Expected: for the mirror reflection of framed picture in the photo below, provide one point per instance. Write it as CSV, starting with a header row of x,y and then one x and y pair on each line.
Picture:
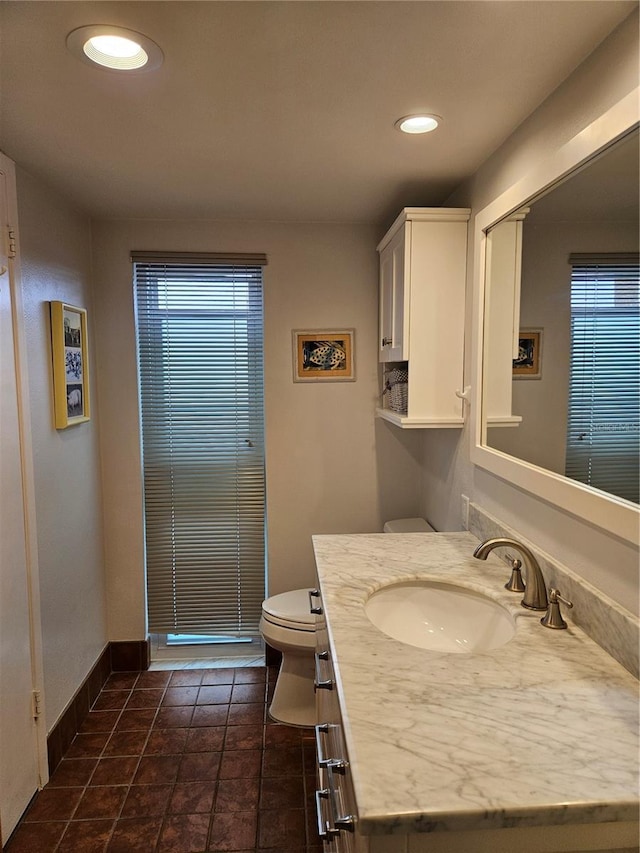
x,y
70,364
528,364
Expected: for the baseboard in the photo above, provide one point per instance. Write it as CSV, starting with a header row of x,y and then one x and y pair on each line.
x,y
130,656
62,734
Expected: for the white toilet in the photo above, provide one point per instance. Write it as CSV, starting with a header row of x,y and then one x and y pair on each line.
x,y
288,626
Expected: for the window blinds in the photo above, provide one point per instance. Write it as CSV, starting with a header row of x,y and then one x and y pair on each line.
x,y
200,358
604,396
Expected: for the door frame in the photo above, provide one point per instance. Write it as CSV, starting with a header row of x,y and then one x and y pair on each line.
x,y
10,237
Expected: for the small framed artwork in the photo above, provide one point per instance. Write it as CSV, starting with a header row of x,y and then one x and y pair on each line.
x,y
528,364
70,365
323,355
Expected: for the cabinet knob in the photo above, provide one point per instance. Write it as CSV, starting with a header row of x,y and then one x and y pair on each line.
x,y
387,342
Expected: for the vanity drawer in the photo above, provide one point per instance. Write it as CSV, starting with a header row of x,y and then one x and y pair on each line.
x,y
335,802
324,679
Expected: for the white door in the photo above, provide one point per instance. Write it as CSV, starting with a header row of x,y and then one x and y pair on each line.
x,y
20,739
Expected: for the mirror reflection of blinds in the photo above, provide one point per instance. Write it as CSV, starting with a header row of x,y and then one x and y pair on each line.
x,y
200,354
603,436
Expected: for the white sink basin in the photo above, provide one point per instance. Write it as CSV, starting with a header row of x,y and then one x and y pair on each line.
x,y
442,617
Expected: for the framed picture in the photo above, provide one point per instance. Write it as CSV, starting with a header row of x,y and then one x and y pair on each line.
x,y
323,355
70,365
528,364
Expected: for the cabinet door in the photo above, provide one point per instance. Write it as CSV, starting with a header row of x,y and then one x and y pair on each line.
x,y
392,297
386,304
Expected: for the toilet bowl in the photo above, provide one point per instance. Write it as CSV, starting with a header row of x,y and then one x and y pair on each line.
x,y
288,626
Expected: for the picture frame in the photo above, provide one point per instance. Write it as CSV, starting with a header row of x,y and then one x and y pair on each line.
x,y
69,344
528,365
323,355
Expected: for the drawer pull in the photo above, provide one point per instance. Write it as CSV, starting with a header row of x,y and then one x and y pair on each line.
x,y
325,830
321,729
347,822
330,828
318,682
313,606
337,764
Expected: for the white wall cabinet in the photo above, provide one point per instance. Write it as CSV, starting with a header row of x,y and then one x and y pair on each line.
x,y
422,295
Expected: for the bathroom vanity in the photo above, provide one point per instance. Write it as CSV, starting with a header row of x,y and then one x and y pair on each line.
x,y
530,746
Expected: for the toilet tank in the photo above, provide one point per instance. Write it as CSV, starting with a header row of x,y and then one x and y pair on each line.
x,y
408,525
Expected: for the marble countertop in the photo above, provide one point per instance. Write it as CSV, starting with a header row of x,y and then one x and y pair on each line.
x,y
541,731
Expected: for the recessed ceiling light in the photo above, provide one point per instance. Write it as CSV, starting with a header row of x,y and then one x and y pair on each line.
x,y
115,48
422,123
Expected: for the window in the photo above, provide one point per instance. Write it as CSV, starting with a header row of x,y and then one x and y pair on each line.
x,y
604,394
199,323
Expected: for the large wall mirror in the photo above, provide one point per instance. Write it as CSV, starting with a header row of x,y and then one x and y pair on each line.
x,y
558,327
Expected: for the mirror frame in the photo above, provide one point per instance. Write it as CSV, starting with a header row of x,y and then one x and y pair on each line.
x,y
615,515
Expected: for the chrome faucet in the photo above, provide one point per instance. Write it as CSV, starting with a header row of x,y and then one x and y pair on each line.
x,y
535,594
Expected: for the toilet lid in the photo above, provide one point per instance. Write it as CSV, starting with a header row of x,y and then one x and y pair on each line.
x,y
290,608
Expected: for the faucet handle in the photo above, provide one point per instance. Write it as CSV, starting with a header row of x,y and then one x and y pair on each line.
x,y
515,582
553,617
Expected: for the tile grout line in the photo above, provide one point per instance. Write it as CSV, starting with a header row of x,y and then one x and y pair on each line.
x,y
137,766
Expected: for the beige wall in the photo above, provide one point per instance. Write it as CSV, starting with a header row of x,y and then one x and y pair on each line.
x,y
331,467
55,251
609,74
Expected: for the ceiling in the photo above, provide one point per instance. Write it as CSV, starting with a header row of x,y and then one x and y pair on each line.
x,y
282,110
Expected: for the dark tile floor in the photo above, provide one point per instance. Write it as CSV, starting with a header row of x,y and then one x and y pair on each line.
x,y
179,762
